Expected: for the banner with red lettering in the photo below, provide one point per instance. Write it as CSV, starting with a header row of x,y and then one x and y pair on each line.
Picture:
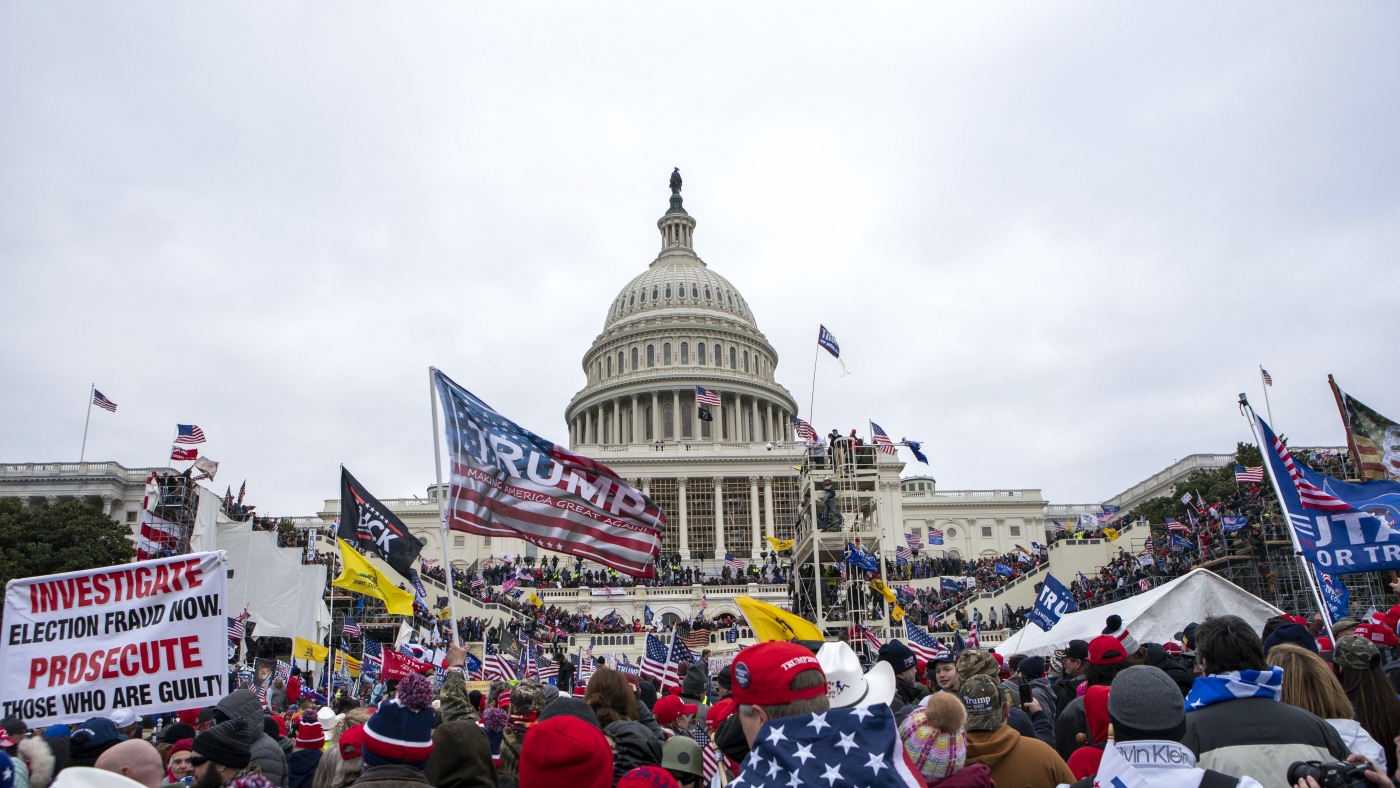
x,y
148,637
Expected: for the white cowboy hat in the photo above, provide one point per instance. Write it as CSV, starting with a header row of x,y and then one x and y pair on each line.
x,y
846,685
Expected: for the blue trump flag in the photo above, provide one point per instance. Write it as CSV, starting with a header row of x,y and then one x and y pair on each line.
x,y
1181,544
861,559
1003,570
949,585
1334,593
1341,527
1229,524
1054,601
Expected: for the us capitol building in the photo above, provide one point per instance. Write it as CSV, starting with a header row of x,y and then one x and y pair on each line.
x,y
724,483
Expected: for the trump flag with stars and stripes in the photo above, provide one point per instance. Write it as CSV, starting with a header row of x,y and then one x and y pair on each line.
x,y
510,482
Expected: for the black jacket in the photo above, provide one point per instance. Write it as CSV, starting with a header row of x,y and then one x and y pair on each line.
x,y
301,767
636,744
1066,690
906,693
1159,658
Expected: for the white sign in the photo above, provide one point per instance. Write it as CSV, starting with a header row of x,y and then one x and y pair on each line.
x,y
149,637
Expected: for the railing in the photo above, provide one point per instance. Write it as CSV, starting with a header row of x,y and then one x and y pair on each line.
x,y
19,470
1175,472
971,494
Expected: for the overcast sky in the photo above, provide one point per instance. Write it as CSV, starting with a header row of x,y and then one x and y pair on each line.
x,y
1055,240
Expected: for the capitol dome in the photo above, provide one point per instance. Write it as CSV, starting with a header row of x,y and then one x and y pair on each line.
x,y
676,326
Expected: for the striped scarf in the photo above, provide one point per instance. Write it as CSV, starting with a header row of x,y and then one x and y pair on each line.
x,y
1209,690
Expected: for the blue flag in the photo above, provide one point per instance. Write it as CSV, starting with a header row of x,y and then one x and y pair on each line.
x,y
1334,593
1341,527
473,664
827,340
915,446
949,585
1054,601
1181,544
862,559
1003,570
647,614
732,636
1230,524
1110,508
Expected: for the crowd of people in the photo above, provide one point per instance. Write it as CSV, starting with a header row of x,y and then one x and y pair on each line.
x,y
1225,703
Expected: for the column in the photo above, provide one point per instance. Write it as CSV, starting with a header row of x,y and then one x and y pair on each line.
x,y
685,527
617,421
768,505
719,517
107,501
636,431
655,417
600,428
768,432
676,413
753,517
587,425
757,421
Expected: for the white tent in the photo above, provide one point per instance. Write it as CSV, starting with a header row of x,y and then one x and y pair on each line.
x,y
1151,617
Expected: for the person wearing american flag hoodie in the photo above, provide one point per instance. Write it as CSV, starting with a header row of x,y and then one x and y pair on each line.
x,y
797,739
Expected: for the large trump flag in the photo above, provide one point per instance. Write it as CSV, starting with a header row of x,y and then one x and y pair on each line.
x,y
509,482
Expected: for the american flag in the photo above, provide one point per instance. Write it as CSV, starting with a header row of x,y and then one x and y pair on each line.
x,y
102,402
704,601
1059,527
373,653
804,430
188,433
914,541
1268,379
902,552
922,644
697,639
1252,474
708,753
654,660
737,564
350,627
881,439
935,536
870,639
237,627
429,562
974,636
496,666
1144,585
183,455
578,505
706,397
804,751
1147,545
680,652
1173,525
477,583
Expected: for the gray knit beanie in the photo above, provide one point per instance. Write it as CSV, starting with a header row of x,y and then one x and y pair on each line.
x,y
1144,703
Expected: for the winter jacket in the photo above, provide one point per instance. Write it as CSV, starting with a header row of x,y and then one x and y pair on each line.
x,y
1353,736
40,760
636,745
907,693
1259,737
453,699
301,768
1041,726
1041,690
461,757
1016,761
973,775
1066,690
645,717
392,775
1166,764
1070,724
267,753
1158,657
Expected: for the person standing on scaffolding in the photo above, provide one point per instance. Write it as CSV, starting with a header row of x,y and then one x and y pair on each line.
x,y
831,518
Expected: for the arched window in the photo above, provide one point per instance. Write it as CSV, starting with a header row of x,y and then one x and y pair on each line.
x,y
707,294
620,365
609,366
632,300
687,431
732,365
694,291
634,360
700,353
651,356
653,294
746,361
644,296
666,354
668,422
649,422
668,291
731,299
685,352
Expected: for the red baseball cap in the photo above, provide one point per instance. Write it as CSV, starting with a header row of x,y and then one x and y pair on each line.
x,y
719,713
1172,648
763,674
1377,633
667,709
1106,650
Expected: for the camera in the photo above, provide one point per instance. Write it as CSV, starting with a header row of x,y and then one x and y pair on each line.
x,y
1329,775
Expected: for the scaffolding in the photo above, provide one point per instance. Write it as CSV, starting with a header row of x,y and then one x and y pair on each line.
x,y
839,506
174,499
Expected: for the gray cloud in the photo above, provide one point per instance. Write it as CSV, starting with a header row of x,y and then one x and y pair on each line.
x,y
1054,243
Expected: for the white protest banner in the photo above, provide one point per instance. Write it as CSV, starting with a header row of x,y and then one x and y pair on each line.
x,y
148,637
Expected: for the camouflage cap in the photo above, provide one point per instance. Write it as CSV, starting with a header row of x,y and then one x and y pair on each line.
x,y
974,662
984,700
526,696
1356,652
1344,624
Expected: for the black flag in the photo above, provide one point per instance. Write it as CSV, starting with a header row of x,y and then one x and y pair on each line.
x,y
704,414
369,525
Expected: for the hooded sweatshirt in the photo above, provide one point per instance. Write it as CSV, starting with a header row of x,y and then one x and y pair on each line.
x,y
1016,761
461,749
267,753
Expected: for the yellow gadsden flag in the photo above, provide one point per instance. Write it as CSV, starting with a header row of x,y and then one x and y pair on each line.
x,y
780,545
535,600
773,623
305,649
1111,534
878,586
897,613
362,578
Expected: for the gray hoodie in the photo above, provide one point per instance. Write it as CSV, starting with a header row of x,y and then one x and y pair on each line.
x,y
267,753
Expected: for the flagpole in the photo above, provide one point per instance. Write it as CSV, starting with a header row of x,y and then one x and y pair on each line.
x,y
330,632
1269,409
92,392
1292,533
812,399
442,503
1346,428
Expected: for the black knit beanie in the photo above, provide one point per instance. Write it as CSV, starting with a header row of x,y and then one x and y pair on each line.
x,y
226,743
565,706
